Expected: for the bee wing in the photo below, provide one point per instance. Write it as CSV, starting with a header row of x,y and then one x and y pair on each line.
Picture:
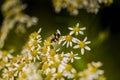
x,y
58,31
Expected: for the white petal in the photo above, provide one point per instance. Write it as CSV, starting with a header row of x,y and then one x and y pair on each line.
x,y
75,40
87,48
58,31
82,51
85,39
77,57
68,43
71,32
75,47
39,30
71,60
70,28
64,43
88,42
60,41
83,28
76,33
81,32
77,25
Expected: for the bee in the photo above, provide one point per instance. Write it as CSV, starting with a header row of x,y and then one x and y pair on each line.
x,y
55,37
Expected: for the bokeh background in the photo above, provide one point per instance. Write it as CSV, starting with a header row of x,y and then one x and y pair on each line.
x,y
103,29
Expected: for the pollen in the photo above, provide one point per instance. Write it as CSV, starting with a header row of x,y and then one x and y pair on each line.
x,y
5,53
34,53
58,74
76,29
60,57
10,74
47,43
68,38
35,42
20,67
44,50
93,69
23,75
56,64
72,56
52,52
44,58
84,75
81,44
2,62
27,60
68,67
57,4
45,66
33,35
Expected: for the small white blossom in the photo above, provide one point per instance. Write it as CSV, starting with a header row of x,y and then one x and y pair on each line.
x,y
72,56
68,40
83,45
76,30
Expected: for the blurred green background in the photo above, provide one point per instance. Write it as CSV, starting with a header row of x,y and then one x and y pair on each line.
x,y
103,29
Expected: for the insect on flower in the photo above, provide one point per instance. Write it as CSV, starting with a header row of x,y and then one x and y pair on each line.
x,y
55,37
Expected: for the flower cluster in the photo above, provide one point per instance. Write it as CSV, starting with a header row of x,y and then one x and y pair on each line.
x,y
13,16
73,6
92,72
41,59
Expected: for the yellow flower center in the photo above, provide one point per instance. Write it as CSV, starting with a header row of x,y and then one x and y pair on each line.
x,y
47,43
72,7
84,75
44,58
18,8
72,56
101,78
58,75
10,74
79,1
20,67
52,52
68,67
28,46
35,42
44,50
34,53
45,66
57,4
5,53
76,29
81,44
60,56
27,60
23,75
2,63
49,75
52,58
33,35
93,69
14,59
20,57
56,64
68,38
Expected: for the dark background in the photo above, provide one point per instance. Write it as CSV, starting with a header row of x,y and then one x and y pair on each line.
x,y
103,29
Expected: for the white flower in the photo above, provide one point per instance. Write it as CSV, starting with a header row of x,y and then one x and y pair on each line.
x,y
72,56
5,55
76,30
83,45
69,71
68,40
92,72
